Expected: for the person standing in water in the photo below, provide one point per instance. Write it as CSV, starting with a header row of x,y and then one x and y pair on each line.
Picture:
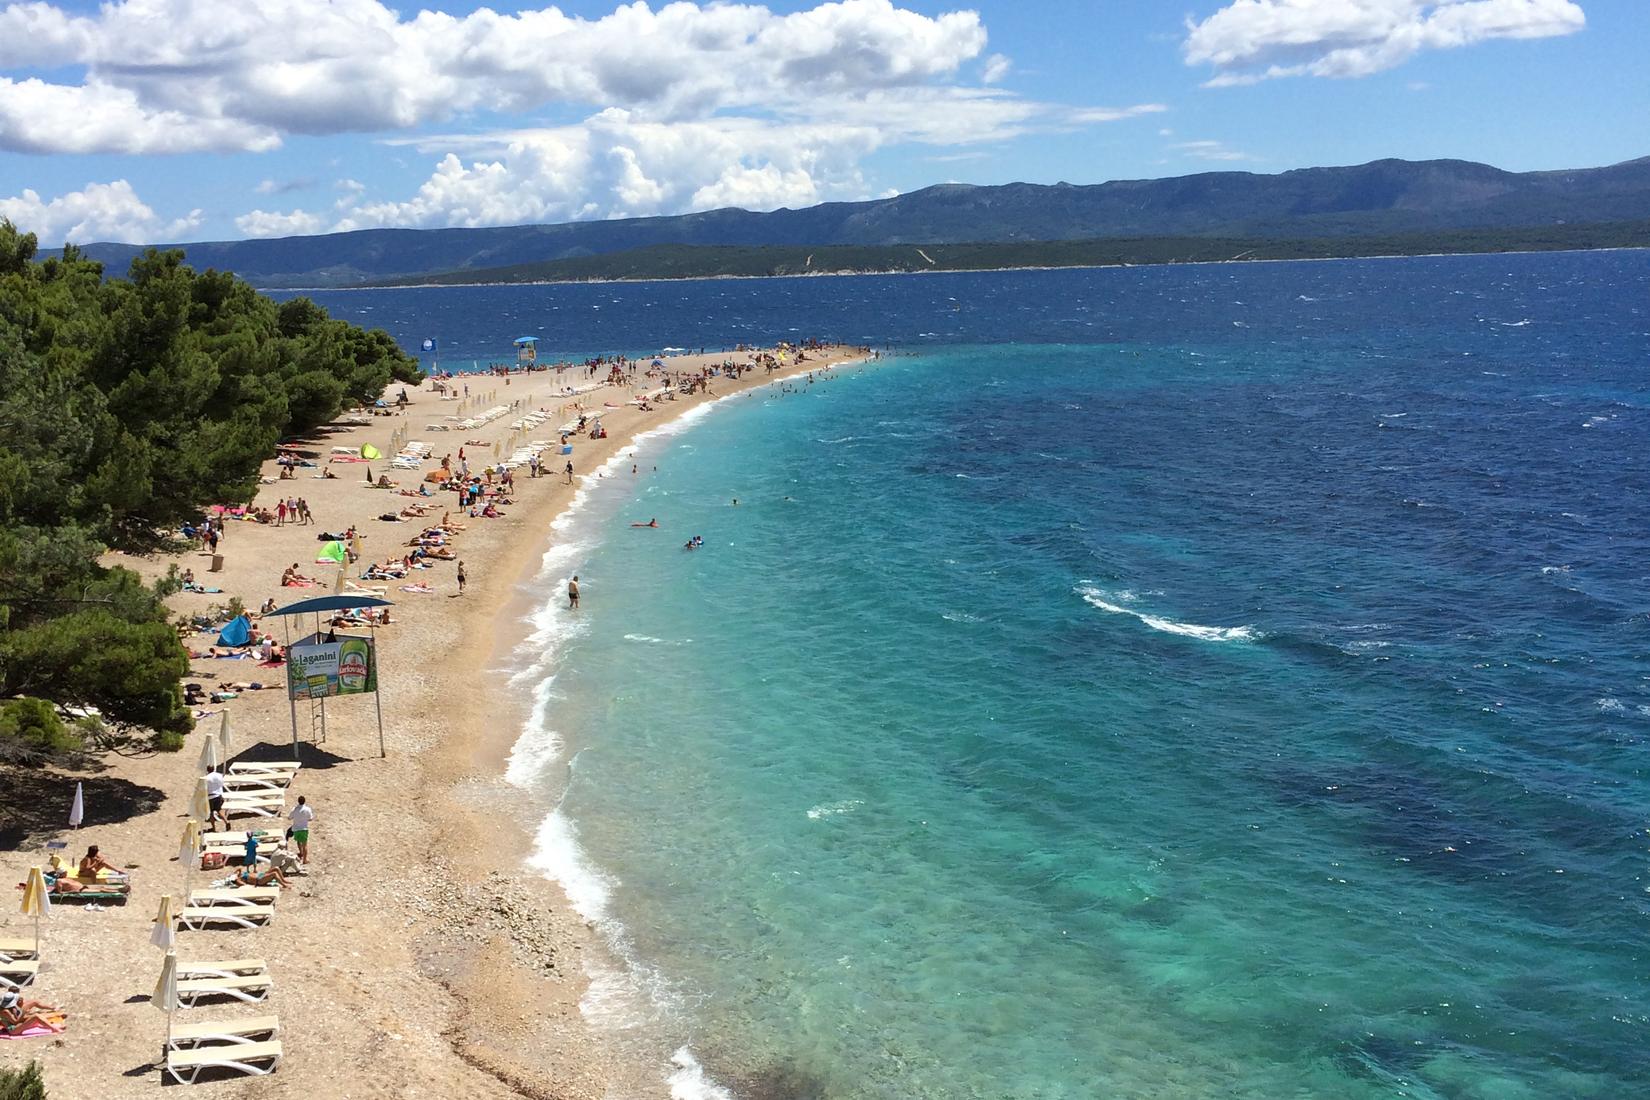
x,y
573,592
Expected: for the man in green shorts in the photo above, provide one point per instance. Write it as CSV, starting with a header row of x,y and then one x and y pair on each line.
x,y
302,814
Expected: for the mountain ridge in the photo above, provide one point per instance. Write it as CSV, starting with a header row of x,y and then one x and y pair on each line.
x,y
1381,197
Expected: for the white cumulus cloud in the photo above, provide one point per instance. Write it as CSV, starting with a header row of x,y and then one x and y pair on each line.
x,y
1252,40
97,212
175,75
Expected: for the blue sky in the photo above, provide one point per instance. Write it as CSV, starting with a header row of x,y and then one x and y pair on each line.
x,y
176,120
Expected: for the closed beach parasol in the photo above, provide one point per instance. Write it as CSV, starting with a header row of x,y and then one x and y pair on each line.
x,y
199,805
37,901
189,850
209,754
164,935
77,809
223,737
165,996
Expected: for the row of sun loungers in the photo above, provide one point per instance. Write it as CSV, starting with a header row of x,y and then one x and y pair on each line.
x,y
249,1046
487,417
412,456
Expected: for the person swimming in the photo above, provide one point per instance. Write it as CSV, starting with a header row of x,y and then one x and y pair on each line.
x,y
650,523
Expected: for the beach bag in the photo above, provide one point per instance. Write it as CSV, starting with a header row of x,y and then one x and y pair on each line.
x,y
211,861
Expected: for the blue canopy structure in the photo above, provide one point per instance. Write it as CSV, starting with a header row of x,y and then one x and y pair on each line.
x,y
520,340
318,605
330,603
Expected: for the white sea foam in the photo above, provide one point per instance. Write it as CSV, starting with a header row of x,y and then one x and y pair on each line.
x,y
1097,598
1549,570
557,853
648,640
690,1082
960,617
1610,705
835,809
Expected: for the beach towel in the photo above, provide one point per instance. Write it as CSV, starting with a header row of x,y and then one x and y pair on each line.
x,y
35,1032
238,631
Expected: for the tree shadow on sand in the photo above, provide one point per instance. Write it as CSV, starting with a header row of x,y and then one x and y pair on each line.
x,y
36,803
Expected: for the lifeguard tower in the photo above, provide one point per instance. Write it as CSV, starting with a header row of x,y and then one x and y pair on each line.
x,y
527,350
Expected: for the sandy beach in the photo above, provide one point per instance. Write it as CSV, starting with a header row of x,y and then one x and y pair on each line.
x,y
419,956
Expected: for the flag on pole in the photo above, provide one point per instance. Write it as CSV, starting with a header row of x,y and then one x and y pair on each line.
x,y
77,812
428,345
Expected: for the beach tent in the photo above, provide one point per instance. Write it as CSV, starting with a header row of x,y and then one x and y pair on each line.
x,y
237,631
334,552
369,451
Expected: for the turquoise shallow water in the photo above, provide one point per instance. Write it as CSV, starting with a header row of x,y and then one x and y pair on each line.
x,y
1247,699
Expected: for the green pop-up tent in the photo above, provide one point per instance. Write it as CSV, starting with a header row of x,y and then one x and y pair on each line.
x,y
332,552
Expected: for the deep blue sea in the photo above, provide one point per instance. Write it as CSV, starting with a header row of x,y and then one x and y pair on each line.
x,y
1220,681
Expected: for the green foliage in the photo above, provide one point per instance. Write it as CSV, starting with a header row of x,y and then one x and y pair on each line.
x,y
31,729
22,1084
128,406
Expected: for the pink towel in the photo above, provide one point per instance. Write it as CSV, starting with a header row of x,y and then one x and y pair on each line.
x,y
31,1033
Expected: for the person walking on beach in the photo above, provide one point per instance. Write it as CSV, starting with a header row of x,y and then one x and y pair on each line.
x,y
461,576
570,473
573,592
302,814
280,514
214,800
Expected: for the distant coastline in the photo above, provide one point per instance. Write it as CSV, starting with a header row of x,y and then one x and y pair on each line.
x,y
673,262
427,284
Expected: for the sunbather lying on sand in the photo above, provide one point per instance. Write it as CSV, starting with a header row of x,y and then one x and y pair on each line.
x,y
248,876
18,1015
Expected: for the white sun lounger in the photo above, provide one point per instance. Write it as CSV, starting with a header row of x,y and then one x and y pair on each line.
x,y
253,805
16,975
256,896
196,918
238,836
228,968
290,767
251,988
252,783
13,949
236,1032
252,1059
